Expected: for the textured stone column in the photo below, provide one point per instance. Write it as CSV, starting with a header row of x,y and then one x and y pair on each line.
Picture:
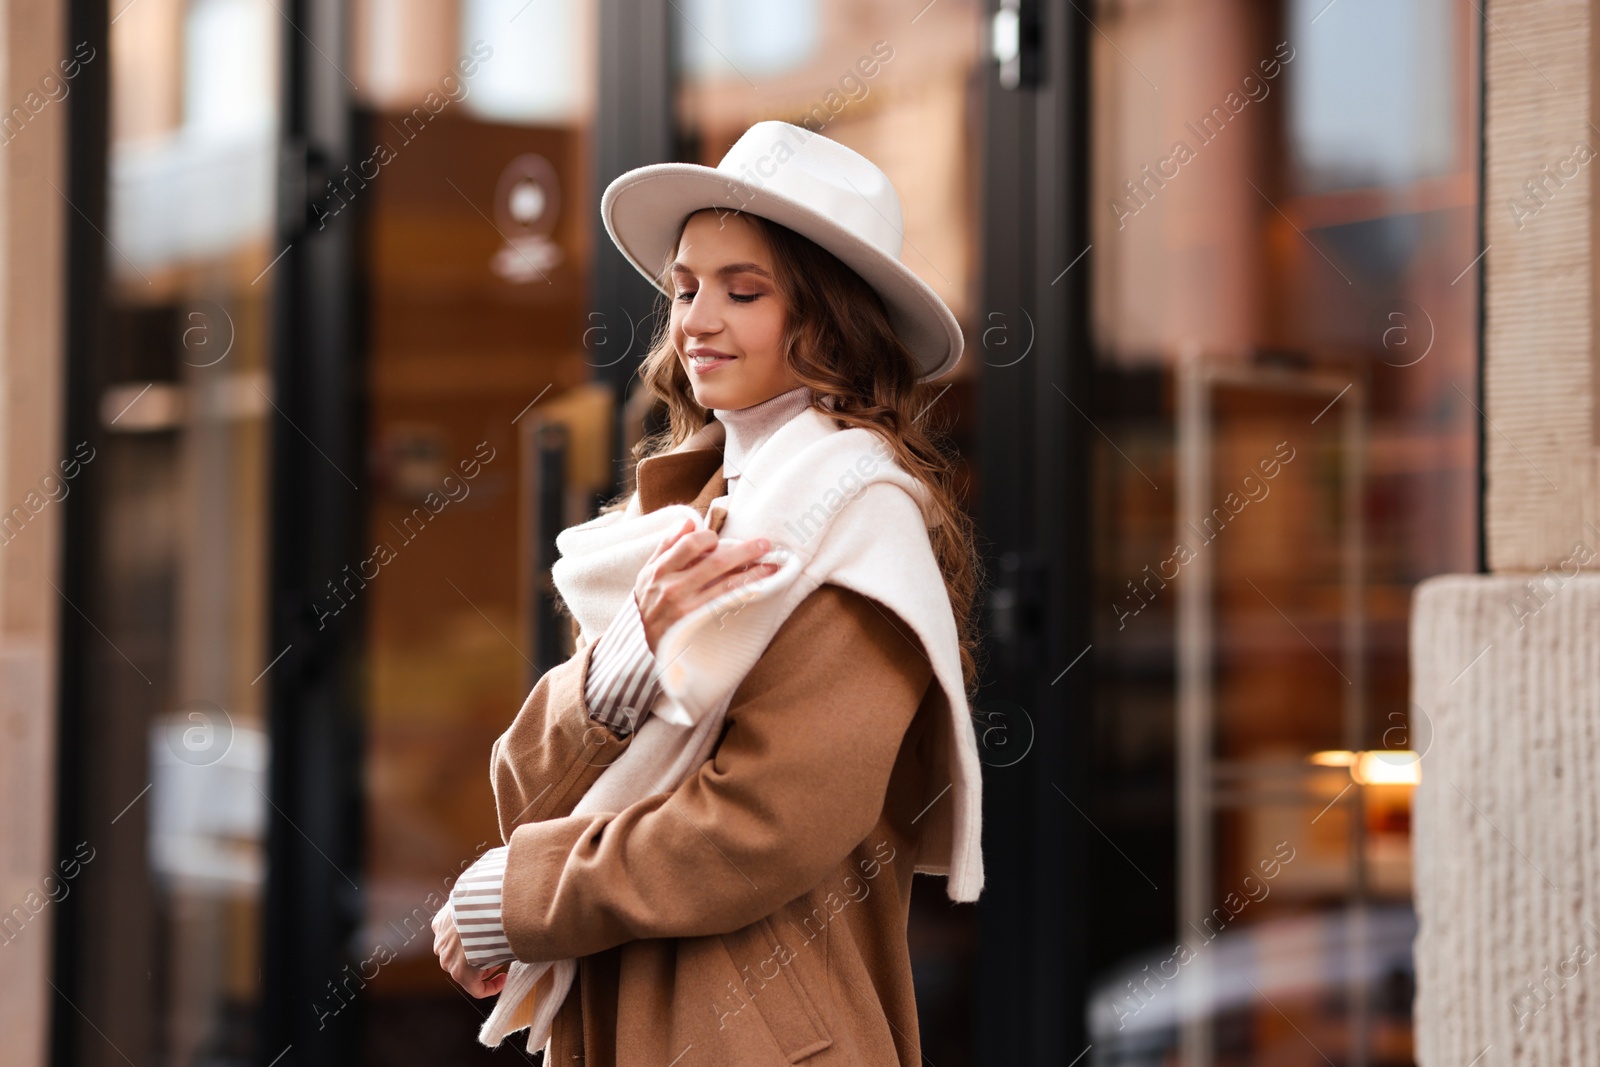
x,y
1506,666
1507,819
1542,450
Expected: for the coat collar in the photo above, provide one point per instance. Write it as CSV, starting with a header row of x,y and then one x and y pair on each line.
x,y
693,477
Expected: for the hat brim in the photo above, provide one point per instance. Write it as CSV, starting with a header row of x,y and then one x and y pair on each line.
x,y
644,209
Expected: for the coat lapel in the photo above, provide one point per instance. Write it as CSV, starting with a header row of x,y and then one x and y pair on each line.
x,y
692,477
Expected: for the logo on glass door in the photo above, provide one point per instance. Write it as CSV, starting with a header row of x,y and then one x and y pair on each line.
x,y
526,203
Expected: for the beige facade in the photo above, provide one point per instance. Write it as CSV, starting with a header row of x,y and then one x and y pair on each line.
x,y
1506,666
32,248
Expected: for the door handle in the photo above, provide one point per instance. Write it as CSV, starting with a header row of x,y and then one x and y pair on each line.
x,y
1014,43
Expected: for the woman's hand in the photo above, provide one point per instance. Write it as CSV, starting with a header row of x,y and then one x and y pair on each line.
x,y
453,958
690,567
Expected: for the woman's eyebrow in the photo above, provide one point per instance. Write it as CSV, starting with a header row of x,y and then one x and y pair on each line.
x,y
731,268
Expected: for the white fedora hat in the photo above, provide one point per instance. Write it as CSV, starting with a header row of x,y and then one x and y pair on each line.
x,y
815,186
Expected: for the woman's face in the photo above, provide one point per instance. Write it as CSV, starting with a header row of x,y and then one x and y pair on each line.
x,y
726,306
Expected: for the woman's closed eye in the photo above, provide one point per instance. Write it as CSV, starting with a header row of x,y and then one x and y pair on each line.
x,y
743,298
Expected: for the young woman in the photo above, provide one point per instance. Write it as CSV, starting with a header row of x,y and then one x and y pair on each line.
x,y
799,694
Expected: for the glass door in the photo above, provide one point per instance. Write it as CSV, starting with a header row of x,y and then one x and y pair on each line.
x,y
175,123
1284,295
1245,787
473,213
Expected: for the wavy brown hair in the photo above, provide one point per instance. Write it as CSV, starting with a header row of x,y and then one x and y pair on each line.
x,y
837,339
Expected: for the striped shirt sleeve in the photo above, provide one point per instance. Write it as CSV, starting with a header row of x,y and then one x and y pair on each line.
x,y
622,683
475,904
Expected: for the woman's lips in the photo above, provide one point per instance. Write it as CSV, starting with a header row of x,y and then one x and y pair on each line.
x,y
706,367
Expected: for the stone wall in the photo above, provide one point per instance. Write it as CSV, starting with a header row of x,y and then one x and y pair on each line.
x,y
32,143
1506,666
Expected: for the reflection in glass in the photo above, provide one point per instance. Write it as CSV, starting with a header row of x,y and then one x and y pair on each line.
x,y
174,764
1283,202
476,249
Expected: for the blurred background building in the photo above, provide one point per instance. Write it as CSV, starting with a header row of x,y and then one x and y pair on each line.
x,y
314,340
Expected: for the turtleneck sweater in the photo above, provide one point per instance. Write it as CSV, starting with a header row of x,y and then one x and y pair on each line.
x,y
748,428
621,684
622,678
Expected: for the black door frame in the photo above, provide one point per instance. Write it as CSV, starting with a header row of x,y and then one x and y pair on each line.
x,y
313,901
634,127
1033,455
88,125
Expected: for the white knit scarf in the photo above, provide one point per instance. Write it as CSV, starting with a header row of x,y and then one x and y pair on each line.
x,y
837,508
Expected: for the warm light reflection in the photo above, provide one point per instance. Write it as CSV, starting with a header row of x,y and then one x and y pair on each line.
x,y
1385,767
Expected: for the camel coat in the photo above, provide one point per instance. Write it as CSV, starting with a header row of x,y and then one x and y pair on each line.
x,y
756,915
